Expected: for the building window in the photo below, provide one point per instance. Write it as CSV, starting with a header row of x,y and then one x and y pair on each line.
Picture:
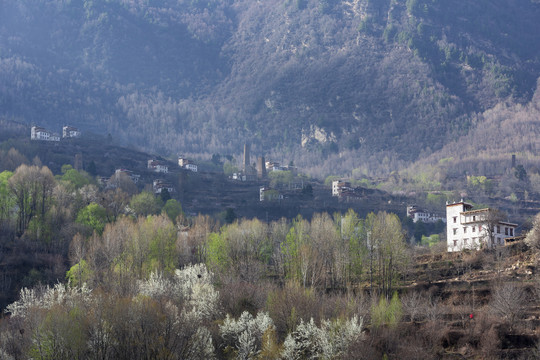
x,y
511,232
505,231
474,218
465,241
498,229
455,219
455,243
464,229
474,229
455,231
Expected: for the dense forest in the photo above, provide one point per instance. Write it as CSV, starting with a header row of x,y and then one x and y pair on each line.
x,y
371,85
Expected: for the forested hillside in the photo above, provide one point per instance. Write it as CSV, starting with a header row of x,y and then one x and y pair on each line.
x,y
332,85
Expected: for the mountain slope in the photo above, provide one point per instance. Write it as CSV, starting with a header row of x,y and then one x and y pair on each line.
x,y
332,85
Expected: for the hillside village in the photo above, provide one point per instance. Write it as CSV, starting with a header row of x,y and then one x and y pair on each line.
x,y
452,265
487,227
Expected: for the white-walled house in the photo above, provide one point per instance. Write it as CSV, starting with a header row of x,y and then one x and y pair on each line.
x,y
70,132
187,164
470,229
417,214
158,185
339,186
39,133
158,166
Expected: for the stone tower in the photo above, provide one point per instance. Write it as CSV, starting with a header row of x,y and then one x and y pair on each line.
x,y
246,158
261,168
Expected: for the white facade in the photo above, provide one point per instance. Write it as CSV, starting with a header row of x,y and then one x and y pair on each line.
x,y
39,133
158,166
191,167
70,132
269,194
469,229
417,214
158,185
338,186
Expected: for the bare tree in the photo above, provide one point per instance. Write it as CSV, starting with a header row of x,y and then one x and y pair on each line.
x,y
490,219
508,301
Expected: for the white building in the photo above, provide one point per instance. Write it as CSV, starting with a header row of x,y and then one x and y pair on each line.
x,y
158,166
417,214
70,132
187,164
134,177
470,229
39,133
158,185
268,194
339,186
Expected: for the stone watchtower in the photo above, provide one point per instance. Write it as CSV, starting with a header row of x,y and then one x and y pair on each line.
x,y
246,158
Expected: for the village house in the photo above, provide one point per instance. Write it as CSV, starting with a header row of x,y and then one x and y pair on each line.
x,y
473,229
134,177
39,133
417,214
339,187
159,185
268,194
275,166
158,166
70,132
187,164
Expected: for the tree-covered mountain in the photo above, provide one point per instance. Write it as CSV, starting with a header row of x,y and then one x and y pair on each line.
x,y
333,85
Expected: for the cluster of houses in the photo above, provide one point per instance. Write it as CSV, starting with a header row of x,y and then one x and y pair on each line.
x,y
344,190
157,166
42,134
417,214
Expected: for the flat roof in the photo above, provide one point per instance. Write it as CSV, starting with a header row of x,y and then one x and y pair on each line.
x,y
460,203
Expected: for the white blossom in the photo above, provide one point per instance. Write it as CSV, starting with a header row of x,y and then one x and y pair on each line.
x,y
201,347
46,298
191,286
329,341
245,334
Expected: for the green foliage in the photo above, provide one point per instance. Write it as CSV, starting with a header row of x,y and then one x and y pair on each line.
x,y
389,33
91,169
7,200
331,178
172,208
436,200
520,173
216,253
431,240
480,183
353,231
162,255
93,216
387,313
75,178
230,216
229,168
280,178
145,204
79,274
